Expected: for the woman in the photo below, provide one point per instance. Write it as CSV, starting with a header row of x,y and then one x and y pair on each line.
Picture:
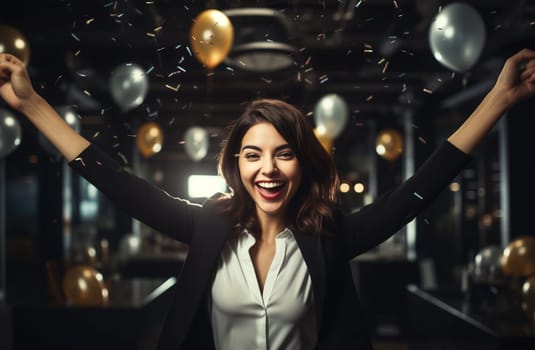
x,y
268,263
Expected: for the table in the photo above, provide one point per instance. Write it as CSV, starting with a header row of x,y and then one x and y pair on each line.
x,y
131,321
448,320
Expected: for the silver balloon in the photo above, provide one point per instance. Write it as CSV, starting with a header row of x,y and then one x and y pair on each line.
x,y
330,115
487,265
71,117
196,142
457,36
10,133
129,86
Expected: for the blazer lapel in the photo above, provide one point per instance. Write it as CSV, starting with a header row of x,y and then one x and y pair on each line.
x,y
210,236
311,247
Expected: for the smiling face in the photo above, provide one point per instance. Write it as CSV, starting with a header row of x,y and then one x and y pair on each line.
x,y
269,170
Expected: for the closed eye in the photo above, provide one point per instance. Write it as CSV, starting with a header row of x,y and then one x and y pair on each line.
x,y
251,156
286,155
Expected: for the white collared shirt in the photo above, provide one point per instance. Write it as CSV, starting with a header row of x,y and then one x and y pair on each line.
x,y
282,317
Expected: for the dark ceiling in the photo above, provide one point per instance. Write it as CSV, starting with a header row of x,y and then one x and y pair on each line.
x,y
374,53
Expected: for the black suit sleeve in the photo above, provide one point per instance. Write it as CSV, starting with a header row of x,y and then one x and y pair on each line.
x,y
140,199
379,220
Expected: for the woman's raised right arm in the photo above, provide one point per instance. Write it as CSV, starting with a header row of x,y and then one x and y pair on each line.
x,y
17,90
137,197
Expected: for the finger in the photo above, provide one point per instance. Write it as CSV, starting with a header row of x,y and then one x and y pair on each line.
x,y
8,67
521,59
524,55
527,70
7,57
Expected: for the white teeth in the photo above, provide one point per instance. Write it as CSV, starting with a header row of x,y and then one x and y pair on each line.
x,y
270,184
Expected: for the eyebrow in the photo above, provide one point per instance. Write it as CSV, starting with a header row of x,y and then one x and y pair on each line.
x,y
256,148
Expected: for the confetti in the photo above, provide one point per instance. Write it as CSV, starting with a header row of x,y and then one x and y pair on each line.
x,y
172,87
122,157
417,195
75,37
385,67
427,91
79,159
58,79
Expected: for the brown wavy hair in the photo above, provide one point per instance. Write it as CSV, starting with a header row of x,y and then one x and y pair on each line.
x,y
317,195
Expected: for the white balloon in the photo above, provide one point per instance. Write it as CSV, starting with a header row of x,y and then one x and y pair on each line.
x,y
330,115
129,85
457,36
196,142
10,133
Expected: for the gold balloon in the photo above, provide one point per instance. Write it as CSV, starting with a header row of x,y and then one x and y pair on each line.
x,y
528,297
518,257
325,141
14,42
149,139
211,37
389,144
83,285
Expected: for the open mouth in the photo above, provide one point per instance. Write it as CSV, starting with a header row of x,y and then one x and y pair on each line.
x,y
270,189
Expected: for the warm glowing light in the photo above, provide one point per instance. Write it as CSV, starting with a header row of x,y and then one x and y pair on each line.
x,y
204,186
455,187
9,121
359,187
344,187
20,44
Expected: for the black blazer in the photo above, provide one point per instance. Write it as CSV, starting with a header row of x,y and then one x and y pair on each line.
x,y
338,313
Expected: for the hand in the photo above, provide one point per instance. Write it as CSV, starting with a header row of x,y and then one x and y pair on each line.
x,y
15,84
517,78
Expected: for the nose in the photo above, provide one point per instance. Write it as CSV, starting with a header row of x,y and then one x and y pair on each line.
x,y
269,166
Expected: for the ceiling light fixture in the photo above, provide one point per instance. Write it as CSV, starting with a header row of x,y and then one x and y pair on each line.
x,y
260,40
